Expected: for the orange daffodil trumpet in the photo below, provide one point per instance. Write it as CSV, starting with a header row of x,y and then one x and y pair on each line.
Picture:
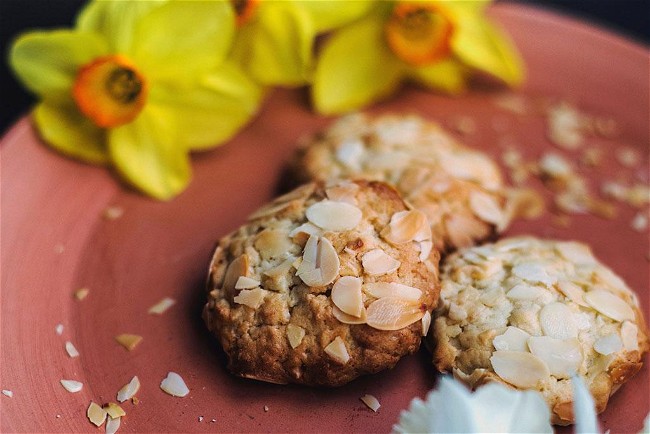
x,y
436,43
139,85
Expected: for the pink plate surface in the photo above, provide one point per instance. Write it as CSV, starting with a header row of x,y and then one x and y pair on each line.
x,y
55,241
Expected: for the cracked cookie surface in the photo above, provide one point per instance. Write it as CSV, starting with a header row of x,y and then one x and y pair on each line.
x,y
324,284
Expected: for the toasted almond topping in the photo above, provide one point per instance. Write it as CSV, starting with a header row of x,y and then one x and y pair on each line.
x,y
565,126
557,321
162,306
629,336
174,385
128,341
72,386
272,243
129,390
608,344
334,216
513,339
113,212
519,369
114,410
82,293
71,350
238,267
349,319
574,292
523,291
306,228
391,313
609,305
347,296
96,414
343,192
462,230
639,222
391,289
425,250
628,157
337,351
376,262
320,262
426,323
112,425
372,402
486,207
562,356
533,272
59,329
252,298
246,283
555,166
407,226
7,393
267,210
295,334
281,269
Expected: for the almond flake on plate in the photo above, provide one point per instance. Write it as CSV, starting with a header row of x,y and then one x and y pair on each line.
x,y
72,386
7,393
174,385
59,329
371,402
128,341
114,410
82,293
129,390
112,425
113,212
96,414
71,350
162,306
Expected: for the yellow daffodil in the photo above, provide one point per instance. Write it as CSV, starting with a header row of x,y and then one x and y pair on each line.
x,y
274,41
436,43
138,85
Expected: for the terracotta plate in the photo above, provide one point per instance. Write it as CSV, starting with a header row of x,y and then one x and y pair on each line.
x,y
55,241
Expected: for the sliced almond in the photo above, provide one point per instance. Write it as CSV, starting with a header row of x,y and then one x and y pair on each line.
x,y
406,226
425,250
112,425
272,243
391,313
486,207
252,298
128,341
513,339
72,386
129,390
572,291
320,262
174,385
629,336
82,293
347,296
281,269
391,289
96,414
349,319
608,344
114,410
71,350
295,334
519,369
246,283
562,356
609,305
334,216
306,228
371,402
556,320
426,323
271,209
337,351
524,291
462,230
343,192
238,267
113,212
162,306
376,262
533,272
575,252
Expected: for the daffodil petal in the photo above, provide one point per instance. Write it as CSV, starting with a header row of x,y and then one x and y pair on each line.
x,y
447,75
183,38
355,68
47,62
483,46
209,113
69,132
115,20
145,152
328,15
275,47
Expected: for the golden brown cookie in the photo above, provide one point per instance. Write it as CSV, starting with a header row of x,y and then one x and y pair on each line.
x,y
530,313
460,190
324,284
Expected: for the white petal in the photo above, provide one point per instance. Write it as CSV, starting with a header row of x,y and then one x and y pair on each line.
x,y
583,408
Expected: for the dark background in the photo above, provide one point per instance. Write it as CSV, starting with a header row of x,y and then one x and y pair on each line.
x,y
630,18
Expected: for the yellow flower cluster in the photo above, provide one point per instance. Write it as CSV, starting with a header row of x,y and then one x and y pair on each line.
x,y
138,85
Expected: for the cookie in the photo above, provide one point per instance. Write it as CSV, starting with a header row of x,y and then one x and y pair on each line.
x,y
460,190
530,313
324,284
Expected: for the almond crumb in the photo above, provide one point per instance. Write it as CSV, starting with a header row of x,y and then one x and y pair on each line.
x,y
371,402
71,350
162,306
81,293
113,212
128,341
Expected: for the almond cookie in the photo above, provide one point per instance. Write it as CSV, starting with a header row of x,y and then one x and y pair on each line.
x,y
530,313
324,284
461,191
